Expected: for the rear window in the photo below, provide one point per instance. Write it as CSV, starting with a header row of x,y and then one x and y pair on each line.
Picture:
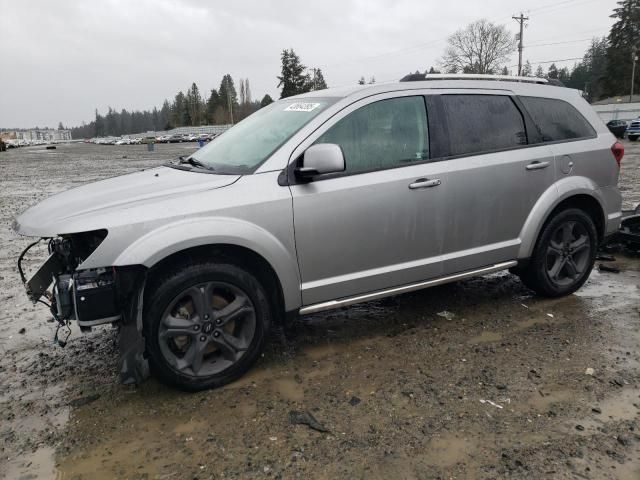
x,y
557,120
482,123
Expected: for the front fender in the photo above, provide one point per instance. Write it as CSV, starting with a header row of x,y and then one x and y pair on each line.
x,y
548,201
172,238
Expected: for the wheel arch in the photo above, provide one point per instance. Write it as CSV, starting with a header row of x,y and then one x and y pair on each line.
x,y
240,256
244,243
573,192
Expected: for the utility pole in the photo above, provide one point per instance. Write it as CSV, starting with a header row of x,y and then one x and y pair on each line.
x,y
521,19
633,72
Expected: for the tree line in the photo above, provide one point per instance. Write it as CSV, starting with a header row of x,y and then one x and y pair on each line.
x,y
222,106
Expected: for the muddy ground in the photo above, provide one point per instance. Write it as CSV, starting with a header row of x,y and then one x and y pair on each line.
x,y
478,379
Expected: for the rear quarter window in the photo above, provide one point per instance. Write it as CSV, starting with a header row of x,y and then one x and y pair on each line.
x,y
557,120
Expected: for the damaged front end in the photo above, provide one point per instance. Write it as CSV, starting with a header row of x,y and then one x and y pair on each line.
x,y
91,296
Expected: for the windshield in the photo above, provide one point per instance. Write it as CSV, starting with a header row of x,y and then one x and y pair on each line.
x,y
242,148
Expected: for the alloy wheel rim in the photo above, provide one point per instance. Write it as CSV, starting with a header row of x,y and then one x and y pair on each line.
x,y
568,253
207,328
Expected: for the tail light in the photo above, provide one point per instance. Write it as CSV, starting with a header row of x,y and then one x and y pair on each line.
x,y
618,152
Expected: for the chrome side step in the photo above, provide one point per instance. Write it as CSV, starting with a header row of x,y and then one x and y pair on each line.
x,y
320,307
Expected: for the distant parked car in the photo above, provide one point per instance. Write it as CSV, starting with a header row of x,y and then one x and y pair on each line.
x,y
175,138
633,130
617,127
163,138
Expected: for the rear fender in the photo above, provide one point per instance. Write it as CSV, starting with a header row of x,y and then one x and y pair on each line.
x,y
548,201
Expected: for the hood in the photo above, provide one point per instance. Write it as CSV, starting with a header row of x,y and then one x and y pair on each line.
x,y
57,213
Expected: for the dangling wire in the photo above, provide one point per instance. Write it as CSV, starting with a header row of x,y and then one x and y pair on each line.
x,y
24,252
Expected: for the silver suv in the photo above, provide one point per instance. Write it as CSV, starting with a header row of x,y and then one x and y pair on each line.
x,y
328,199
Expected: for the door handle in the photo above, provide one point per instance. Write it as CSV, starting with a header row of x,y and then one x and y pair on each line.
x,y
537,165
425,183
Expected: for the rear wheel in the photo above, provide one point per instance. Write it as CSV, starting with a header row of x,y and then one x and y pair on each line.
x,y
633,138
563,256
205,325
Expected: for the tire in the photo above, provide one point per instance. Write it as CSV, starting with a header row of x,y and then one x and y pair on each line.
x,y
563,256
633,138
205,325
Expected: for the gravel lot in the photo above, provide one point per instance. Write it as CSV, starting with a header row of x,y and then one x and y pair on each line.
x,y
478,379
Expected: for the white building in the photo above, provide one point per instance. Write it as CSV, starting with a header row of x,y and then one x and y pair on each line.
x,y
43,135
618,108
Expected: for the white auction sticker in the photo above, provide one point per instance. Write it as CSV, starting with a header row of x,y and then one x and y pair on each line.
x,y
301,107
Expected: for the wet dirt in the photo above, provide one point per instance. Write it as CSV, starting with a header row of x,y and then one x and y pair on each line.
x,y
498,390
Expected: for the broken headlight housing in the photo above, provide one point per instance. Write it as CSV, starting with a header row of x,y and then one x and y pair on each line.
x,y
88,296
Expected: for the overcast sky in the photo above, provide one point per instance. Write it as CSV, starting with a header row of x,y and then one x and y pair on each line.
x,y
62,59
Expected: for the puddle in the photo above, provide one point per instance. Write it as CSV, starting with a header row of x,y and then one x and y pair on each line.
x,y
448,450
37,465
485,337
289,389
541,403
620,406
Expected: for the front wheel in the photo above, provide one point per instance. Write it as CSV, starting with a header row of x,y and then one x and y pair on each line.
x,y
205,325
563,256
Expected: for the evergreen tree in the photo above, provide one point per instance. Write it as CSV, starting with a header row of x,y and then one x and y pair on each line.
x,y
212,104
372,80
526,69
194,105
361,81
243,97
164,119
60,126
292,79
179,111
590,74
228,98
317,80
552,72
99,125
266,100
505,71
539,72
623,42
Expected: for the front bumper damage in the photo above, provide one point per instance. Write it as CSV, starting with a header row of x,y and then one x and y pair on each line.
x,y
92,297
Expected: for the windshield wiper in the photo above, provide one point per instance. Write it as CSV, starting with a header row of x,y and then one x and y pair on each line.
x,y
194,162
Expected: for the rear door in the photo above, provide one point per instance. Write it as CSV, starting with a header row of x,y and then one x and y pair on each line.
x,y
494,176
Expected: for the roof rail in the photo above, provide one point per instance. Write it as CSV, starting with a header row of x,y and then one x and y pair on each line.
x,y
419,77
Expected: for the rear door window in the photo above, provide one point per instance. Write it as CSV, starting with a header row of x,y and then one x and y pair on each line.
x,y
482,123
557,120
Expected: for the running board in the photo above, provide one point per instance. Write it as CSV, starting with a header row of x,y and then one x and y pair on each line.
x,y
320,307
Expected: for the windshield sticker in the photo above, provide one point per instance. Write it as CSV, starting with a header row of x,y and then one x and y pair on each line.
x,y
301,107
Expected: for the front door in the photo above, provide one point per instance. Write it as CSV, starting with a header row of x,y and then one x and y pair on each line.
x,y
379,224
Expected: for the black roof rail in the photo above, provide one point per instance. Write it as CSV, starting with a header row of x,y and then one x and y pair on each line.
x,y
420,77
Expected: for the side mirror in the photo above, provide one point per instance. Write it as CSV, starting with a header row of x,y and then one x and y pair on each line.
x,y
319,159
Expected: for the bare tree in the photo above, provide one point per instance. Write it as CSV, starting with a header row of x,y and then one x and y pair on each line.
x,y
482,47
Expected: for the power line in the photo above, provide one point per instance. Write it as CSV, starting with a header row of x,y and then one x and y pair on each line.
x,y
553,6
558,43
553,61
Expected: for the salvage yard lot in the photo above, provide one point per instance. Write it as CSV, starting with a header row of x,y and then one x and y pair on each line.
x,y
478,379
